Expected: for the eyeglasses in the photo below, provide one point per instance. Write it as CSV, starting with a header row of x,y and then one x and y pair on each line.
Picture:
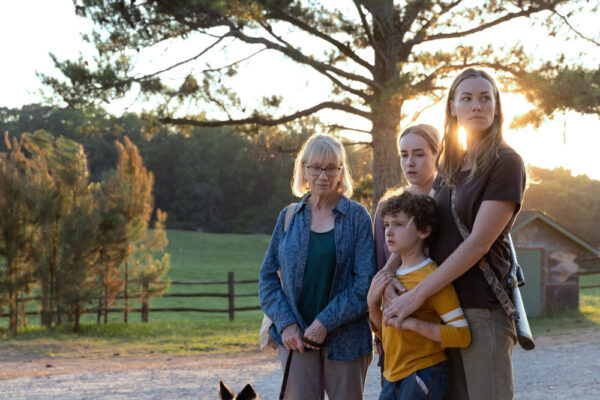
x,y
330,171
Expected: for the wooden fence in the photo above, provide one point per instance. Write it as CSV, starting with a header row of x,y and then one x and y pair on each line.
x,y
145,308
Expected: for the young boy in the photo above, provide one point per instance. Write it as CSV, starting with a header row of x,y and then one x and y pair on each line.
x,y
415,364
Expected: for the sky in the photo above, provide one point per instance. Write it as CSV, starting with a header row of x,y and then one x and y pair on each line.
x,y
33,28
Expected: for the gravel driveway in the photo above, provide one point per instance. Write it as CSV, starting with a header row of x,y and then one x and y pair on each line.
x,y
561,367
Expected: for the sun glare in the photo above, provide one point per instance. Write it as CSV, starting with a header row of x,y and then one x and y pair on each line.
x,y
462,138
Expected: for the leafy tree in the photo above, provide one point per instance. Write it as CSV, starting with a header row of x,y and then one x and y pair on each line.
x,y
126,203
379,55
16,227
79,253
574,201
147,269
64,240
136,195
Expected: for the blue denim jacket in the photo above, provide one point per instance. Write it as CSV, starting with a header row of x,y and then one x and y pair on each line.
x,y
346,315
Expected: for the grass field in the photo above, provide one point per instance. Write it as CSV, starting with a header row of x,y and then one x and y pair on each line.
x,y
194,256
207,257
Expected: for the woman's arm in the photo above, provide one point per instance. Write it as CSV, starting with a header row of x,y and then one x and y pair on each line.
x,y
272,299
490,221
378,284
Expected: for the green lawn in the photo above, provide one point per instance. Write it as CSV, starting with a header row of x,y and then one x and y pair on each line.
x,y
208,257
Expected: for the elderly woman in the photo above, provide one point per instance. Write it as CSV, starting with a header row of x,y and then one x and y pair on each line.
x,y
326,257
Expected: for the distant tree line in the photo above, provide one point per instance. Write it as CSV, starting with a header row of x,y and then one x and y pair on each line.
x,y
574,201
71,240
213,180
229,180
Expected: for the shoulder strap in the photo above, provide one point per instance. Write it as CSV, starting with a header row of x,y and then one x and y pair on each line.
x,y
288,215
488,274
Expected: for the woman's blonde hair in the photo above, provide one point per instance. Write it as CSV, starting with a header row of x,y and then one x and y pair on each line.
x,y
319,148
427,132
449,158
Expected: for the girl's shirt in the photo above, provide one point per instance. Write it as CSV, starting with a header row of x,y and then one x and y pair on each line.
x,y
504,180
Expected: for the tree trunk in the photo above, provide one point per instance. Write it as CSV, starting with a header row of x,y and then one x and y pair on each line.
x,y
99,310
45,313
13,312
23,313
386,107
77,314
125,299
105,304
387,172
145,302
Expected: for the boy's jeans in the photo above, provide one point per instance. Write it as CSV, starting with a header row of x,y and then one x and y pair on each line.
x,y
427,383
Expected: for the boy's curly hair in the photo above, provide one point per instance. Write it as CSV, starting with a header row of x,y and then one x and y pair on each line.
x,y
419,206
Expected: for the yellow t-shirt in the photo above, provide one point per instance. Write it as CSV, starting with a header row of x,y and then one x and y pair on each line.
x,y
407,351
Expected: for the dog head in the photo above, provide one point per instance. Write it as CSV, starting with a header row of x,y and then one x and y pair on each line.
x,y
247,393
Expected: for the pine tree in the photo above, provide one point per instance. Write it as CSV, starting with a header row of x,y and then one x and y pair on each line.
x,y
67,246
16,227
149,263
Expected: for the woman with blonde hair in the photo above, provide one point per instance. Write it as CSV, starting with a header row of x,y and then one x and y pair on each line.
x,y
326,259
418,146
479,193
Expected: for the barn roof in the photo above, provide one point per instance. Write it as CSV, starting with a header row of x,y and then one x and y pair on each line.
x,y
527,216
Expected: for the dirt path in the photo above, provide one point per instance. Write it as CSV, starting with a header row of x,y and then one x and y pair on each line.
x,y
561,367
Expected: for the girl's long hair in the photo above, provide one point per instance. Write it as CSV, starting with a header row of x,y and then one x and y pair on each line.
x,y
449,158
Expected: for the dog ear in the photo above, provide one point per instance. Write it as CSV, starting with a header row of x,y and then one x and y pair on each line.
x,y
247,393
224,392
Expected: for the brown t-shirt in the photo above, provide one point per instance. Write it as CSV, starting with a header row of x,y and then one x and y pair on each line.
x,y
504,180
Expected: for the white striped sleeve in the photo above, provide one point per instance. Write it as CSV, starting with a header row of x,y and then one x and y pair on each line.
x,y
458,323
449,316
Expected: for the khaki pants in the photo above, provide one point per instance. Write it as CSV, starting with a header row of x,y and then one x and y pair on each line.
x,y
343,379
487,362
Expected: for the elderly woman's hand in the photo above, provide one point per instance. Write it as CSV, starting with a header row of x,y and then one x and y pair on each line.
x,y
316,332
291,336
400,308
379,283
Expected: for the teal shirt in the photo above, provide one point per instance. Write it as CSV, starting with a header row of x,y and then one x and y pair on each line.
x,y
318,275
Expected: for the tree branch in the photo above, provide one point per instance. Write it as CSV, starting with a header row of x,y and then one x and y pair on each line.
x,y
365,25
265,121
418,113
507,17
336,127
234,63
370,144
445,9
581,35
298,56
181,62
302,25
336,81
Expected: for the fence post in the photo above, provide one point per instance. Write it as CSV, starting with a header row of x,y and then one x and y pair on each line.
x,y
231,294
145,305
